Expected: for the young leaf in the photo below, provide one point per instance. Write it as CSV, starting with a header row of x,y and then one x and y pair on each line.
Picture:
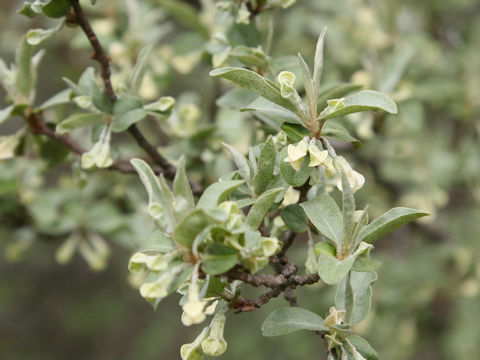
x,y
76,121
140,68
218,258
331,270
285,320
24,77
218,192
290,175
388,222
308,85
63,97
251,80
318,65
325,215
362,101
266,166
241,162
357,303
181,187
348,208
294,218
261,207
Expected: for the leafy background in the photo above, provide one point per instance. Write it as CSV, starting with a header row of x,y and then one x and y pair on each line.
x,y
426,55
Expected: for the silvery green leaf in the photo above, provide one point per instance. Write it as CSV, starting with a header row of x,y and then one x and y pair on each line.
x,y
362,101
325,215
334,130
271,109
334,92
253,160
290,175
218,192
37,36
295,218
63,97
76,121
266,166
308,85
159,195
88,86
251,80
388,222
181,187
354,294
363,347
140,68
348,208
157,241
24,77
331,270
242,163
218,259
285,320
318,64
262,205
295,132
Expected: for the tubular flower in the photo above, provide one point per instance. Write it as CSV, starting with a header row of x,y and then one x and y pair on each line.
x,y
296,153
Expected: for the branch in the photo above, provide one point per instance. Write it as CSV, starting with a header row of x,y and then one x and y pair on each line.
x,y
99,54
36,123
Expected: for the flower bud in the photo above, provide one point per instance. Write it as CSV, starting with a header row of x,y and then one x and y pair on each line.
x,y
215,344
286,80
296,153
270,246
99,155
193,350
164,104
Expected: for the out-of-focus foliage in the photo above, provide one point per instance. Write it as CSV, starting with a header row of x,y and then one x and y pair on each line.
x,y
424,54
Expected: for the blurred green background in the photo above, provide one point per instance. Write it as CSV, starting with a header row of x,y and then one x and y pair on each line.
x,y
425,54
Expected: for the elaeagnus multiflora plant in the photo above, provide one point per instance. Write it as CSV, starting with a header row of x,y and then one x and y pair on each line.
x,y
210,242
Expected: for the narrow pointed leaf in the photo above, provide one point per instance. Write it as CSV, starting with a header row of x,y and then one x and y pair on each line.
x,y
251,80
261,207
318,64
334,130
273,110
295,132
181,186
140,68
354,294
362,101
388,222
76,121
266,166
241,162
